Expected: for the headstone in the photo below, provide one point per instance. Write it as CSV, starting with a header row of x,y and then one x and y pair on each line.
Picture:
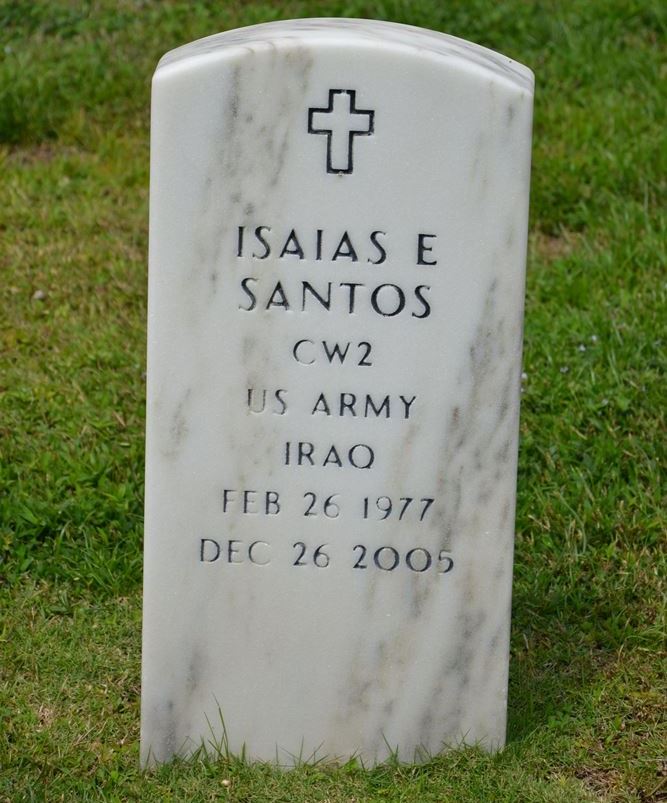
x,y
337,248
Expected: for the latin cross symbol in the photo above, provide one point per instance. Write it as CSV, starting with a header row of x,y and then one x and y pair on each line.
x,y
341,122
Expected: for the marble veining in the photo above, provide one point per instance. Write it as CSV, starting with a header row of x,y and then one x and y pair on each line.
x,y
328,564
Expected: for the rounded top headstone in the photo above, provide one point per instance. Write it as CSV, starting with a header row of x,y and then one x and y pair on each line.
x,y
352,32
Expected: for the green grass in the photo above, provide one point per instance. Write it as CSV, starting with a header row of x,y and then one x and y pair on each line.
x,y
587,678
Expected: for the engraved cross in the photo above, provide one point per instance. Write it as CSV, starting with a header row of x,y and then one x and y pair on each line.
x,y
341,122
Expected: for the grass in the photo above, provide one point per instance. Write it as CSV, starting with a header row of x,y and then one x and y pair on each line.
x,y
587,678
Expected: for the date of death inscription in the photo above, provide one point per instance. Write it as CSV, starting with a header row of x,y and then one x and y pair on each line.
x,y
302,555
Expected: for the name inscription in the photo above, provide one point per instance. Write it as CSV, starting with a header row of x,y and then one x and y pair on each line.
x,y
385,299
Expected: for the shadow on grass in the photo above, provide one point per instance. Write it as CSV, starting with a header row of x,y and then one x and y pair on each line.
x,y
553,672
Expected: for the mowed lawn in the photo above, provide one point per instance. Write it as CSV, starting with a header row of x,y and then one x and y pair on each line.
x,y
587,676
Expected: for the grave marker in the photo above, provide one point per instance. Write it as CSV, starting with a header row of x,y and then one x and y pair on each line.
x,y
337,250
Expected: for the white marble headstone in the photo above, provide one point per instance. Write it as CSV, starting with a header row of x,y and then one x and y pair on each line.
x,y
337,248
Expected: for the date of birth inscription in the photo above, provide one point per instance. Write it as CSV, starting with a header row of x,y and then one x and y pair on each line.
x,y
249,502
299,554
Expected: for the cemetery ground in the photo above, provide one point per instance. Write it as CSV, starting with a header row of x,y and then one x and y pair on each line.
x,y
587,680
